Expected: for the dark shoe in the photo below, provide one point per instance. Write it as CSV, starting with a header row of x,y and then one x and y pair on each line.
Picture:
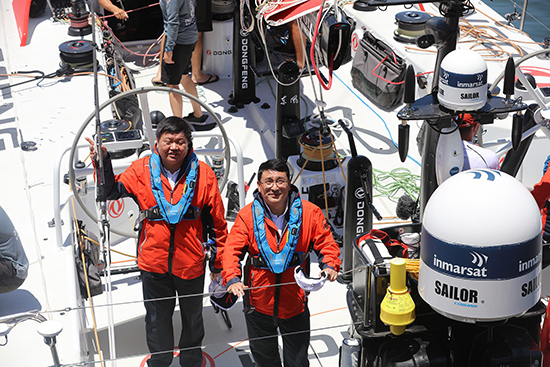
x,y
211,79
157,84
199,123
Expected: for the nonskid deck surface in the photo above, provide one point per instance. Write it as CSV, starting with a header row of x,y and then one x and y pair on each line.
x,y
50,112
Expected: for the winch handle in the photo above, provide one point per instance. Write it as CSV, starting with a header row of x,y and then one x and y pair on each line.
x,y
350,138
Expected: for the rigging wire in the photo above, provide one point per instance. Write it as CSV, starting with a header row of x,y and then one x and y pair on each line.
x,y
104,223
80,244
205,294
78,364
412,267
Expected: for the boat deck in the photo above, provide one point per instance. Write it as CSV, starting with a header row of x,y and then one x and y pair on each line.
x,y
46,115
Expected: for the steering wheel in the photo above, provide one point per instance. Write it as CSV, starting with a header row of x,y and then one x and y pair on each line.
x,y
144,104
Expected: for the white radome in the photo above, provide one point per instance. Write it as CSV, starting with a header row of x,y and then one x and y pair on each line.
x,y
463,81
481,249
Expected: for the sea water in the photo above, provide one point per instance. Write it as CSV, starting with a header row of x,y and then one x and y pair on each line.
x,y
536,20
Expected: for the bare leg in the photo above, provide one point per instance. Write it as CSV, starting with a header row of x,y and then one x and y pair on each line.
x,y
297,41
191,88
157,78
176,102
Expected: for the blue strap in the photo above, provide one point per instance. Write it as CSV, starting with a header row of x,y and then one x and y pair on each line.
x,y
277,262
173,213
546,165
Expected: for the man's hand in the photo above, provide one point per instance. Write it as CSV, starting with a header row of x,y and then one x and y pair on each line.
x,y
237,289
93,153
168,57
120,14
331,274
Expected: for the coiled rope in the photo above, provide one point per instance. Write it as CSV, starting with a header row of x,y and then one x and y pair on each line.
x,y
394,183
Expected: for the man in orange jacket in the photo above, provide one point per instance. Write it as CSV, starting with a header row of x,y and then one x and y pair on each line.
x,y
181,209
277,230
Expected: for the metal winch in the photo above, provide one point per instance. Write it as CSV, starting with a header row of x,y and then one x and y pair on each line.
x,y
410,25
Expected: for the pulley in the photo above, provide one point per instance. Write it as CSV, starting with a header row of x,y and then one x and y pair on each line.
x,y
410,25
317,152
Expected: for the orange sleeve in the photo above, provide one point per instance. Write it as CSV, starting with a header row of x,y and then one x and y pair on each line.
x,y
541,190
236,246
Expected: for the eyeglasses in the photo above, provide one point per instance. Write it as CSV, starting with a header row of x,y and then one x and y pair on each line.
x,y
280,183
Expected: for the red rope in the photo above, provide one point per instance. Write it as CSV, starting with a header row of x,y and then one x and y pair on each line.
x,y
312,53
127,49
395,60
79,23
129,11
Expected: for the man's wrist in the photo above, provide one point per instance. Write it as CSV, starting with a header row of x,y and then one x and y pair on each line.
x,y
168,49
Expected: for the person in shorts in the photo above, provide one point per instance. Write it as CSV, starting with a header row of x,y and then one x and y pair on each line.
x,y
204,24
181,35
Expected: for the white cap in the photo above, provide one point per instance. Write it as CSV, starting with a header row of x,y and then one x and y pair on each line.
x,y
220,296
309,284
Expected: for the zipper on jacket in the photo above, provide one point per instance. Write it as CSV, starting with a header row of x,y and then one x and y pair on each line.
x,y
143,242
280,237
171,248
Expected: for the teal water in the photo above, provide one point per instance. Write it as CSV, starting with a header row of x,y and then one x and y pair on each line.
x,y
537,19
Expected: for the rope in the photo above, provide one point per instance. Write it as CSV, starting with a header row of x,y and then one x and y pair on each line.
x,y
146,54
79,23
323,152
402,180
129,11
486,34
80,237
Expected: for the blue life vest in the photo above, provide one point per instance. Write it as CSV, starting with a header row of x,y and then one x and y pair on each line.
x,y
277,262
173,213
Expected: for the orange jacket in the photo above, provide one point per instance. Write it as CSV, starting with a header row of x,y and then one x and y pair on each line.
x,y
314,232
186,238
541,193
541,190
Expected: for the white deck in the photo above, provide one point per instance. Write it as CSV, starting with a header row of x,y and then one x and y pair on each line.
x,y
50,112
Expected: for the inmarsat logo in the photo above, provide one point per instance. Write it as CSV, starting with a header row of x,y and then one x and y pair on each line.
x,y
480,271
491,174
479,259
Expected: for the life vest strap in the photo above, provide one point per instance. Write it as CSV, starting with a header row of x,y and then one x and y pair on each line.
x,y
297,259
154,214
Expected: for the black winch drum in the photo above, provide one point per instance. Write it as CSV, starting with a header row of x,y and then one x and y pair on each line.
x,y
310,141
110,126
410,25
76,52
